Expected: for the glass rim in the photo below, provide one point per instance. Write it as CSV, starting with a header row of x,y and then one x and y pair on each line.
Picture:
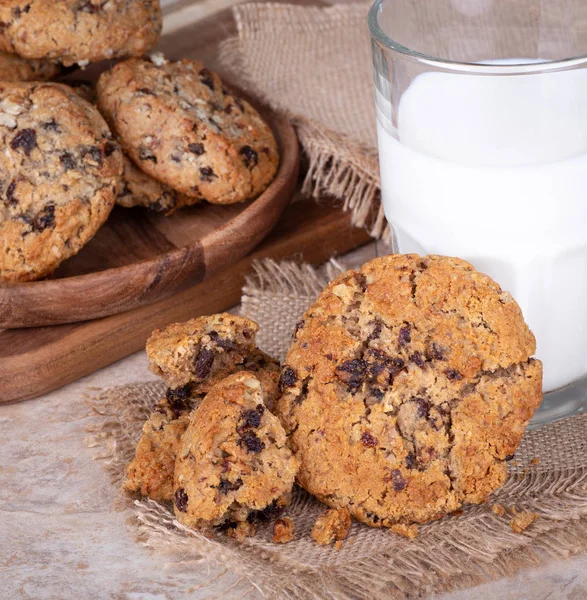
x,y
466,67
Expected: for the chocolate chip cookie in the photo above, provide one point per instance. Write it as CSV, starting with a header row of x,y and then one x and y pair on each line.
x,y
59,175
16,68
408,385
151,471
79,31
140,189
199,349
183,127
233,464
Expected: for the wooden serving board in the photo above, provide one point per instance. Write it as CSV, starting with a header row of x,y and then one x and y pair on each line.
x,y
37,360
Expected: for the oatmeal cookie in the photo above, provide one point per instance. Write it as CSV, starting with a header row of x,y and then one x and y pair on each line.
x,y
183,127
233,464
59,177
407,386
192,352
79,31
16,68
140,189
151,471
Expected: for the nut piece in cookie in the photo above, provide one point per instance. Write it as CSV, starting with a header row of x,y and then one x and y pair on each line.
x,y
283,530
151,471
79,31
180,125
332,525
140,189
234,464
406,387
16,68
59,174
195,351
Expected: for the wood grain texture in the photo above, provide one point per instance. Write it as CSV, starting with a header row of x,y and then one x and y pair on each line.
x,y
138,258
36,361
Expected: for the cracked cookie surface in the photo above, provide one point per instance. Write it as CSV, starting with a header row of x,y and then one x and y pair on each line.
x,y
79,31
60,172
151,471
184,128
407,386
16,68
234,464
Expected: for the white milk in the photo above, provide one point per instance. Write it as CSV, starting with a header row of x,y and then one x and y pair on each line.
x,y
494,170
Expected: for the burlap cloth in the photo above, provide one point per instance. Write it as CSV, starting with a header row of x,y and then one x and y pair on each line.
x,y
455,552
314,64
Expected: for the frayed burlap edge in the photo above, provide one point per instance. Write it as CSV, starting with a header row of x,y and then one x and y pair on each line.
x,y
453,553
337,166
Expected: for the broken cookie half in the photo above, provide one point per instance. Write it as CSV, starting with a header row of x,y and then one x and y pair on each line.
x,y
234,465
200,349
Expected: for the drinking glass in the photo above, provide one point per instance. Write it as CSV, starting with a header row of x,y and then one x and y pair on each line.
x,y
482,134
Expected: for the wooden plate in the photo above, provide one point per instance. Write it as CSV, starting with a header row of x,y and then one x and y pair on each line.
x,y
138,257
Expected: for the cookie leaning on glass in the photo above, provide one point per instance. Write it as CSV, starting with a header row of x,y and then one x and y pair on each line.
x,y
407,386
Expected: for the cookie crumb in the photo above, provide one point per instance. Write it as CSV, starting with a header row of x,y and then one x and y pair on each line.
x,y
498,510
158,58
407,531
338,545
334,524
283,530
242,531
522,521
535,461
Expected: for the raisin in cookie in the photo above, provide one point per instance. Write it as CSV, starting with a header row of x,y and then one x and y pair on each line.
x,y
140,189
407,386
59,177
181,126
194,351
233,461
79,31
16,68
151,471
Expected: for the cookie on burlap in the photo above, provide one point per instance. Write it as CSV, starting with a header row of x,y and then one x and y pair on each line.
x,y
140,189
234,464
151,471
408,385
59,177
183,127
197,350
16,68
79,31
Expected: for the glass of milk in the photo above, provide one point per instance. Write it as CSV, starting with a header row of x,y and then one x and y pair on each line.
x,y
482,132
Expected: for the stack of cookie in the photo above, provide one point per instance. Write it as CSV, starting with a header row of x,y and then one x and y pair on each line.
x,y
174,136
212,445
407,387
